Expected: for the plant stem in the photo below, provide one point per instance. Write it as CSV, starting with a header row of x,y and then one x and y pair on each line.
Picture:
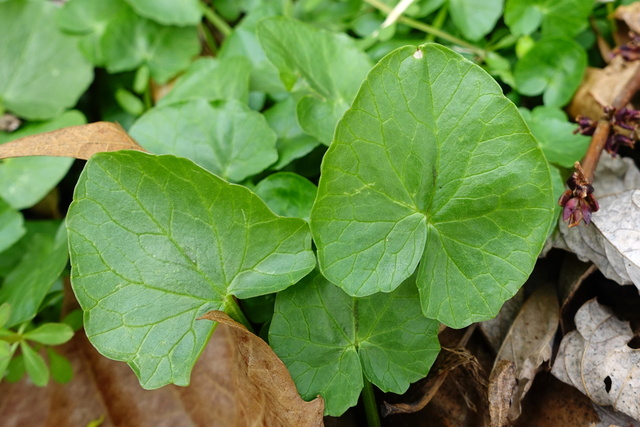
x,y
216,21
208,38
234,311
599,138
370,406
430,29
438,21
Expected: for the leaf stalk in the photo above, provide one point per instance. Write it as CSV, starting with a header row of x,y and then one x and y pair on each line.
x,y
370,405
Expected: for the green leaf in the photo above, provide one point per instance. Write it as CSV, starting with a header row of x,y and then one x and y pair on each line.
x,y
225,137
555,134
327,339
74,320
287,194
333,72
212,79
169,12
42,71
129,102
24,181
292,142
130,42
475,18
156,242
50,334
243,42
6,353
557,17
553,67
11,226
35,365
5,314
89,19
15,368
26,286
10,258
433,163
61,369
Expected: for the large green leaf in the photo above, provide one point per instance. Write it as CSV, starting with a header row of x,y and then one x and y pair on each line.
x,y
224,137
330,64
26,286
555,134
475,18
212,79
156,242
433,163
26,180
11,225
169,12
328,340
553,67
557,17
42,71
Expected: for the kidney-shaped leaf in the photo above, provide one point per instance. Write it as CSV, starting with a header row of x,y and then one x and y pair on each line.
x,y
331,65
432,162
42,71
327,339
156,242
225,137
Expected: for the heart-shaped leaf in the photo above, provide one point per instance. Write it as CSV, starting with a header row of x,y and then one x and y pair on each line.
x,y
333,73
225,137
553,67
433,163
156,242
557,17
328,340
42,71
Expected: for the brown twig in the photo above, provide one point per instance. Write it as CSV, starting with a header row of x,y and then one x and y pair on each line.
x,y
599,139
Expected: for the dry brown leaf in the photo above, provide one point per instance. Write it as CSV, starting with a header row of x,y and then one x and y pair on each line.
x,y
502,384
629,15
572,274
221,392
600,87
529,341
264,387
597,360
80,142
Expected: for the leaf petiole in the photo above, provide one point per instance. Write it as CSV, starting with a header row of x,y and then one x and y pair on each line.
x,y
234,311
370,405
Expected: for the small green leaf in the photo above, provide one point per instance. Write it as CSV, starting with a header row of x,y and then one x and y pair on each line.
x,y
132,42
6,353
224,137
553,67
327,339
169,12
5,314
24,181
475,18
555,134
330,64
10,258
61,369
156,242
26,286
557,17
129,102
212,79
42,71
433,164
50,334
11,226
287,194
74,320
292,142
34,365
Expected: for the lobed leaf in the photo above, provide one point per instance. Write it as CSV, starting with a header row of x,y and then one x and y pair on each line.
x,y
329,340
156,242
433,163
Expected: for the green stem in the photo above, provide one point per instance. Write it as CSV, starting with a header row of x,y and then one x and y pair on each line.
x,y
287,8
430,29
438,22
370,405
216,21
208,38
234,311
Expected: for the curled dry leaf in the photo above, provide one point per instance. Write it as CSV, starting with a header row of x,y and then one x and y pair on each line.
x,y
265,389
529,341
80,142
629,15
502,384
597,360
612,242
